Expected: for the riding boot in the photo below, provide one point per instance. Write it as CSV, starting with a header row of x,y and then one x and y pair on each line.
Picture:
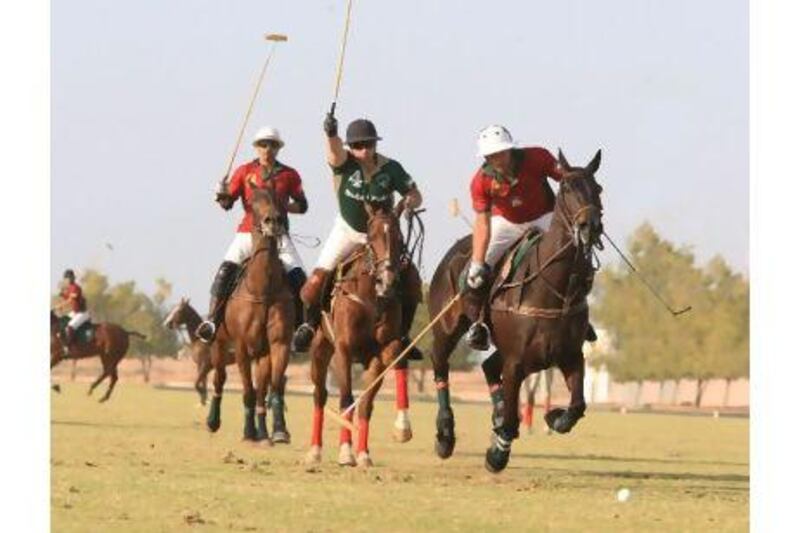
x,y
220,290
69,337
296,280
312,294
410,296
477,336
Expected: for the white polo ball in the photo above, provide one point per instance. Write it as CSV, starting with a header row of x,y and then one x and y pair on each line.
x,y
623,495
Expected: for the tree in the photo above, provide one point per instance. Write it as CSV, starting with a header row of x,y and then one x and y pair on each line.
x,y
711,341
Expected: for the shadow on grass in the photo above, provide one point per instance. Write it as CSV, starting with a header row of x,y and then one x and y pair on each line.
x,y
613,459
80,423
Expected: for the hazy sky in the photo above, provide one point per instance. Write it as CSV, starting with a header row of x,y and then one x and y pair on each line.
x,y
147,99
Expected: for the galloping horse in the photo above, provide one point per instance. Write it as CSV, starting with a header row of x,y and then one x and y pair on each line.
x,y
364,327
110,342
183,315
258,323
538,319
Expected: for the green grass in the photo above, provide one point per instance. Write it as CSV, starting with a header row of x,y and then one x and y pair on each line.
x,y
144,462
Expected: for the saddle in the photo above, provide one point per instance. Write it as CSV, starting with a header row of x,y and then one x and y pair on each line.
x,y
83,335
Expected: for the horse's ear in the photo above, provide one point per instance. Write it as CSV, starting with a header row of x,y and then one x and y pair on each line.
x,y
563,160
594,164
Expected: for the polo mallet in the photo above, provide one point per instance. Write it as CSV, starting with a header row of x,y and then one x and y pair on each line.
x,y
455,211
646,284
273,38
340,417
340,64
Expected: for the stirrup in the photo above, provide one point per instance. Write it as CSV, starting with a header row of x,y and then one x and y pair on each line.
x,y
478,337
206,331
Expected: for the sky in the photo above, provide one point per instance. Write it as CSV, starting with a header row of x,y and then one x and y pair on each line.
x,y
147,99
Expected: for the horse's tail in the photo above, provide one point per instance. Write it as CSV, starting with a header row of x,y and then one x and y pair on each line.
x,y
135,334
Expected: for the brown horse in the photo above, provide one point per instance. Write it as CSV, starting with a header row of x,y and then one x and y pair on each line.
x,y
183,316
258,323
538,319
364,326
110,342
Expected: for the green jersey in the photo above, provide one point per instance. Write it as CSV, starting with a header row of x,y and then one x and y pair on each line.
x,y
353,188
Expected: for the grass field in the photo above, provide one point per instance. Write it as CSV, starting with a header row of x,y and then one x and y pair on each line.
x,y
144,462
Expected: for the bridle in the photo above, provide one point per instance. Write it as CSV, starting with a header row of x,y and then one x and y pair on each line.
x,y
569,217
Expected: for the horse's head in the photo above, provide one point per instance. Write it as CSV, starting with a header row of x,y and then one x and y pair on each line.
x,y
266,214
578,202
384,244
177,316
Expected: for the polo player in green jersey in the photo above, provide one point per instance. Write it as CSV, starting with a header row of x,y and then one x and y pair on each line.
x,y
360,174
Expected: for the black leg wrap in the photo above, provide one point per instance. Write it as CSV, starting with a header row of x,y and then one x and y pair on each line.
x,y
493,369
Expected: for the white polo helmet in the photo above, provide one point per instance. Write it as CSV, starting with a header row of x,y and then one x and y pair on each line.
x,y
493,139
267,133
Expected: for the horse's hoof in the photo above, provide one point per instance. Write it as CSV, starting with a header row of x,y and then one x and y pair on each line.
x,y
496,459
444,448
281,437
445,433
213,425
562,420
552,415
402,434
313,457
265,442
104,399
346,457
363,460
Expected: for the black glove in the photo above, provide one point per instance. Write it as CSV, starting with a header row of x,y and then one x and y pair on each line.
x,y
225,200
330,125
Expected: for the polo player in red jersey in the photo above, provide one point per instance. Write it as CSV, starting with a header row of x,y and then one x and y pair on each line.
x,y
72,294
263,172
510,195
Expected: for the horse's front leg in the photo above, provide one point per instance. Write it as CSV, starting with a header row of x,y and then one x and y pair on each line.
x,y
563,420
365,407
342,363
321,351
492,368
401,432
201,383
443,344
263,372
280,341
248,392
214,419
498,453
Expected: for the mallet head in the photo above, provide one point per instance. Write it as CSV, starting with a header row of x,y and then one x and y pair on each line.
x,y
277,37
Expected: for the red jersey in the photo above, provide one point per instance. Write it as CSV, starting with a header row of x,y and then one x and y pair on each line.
x,y
522,197
284,181
74,295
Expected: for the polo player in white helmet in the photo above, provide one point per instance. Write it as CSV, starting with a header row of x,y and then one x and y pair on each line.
x,y
510,195
263,172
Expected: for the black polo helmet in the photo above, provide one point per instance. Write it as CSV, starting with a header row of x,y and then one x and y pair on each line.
x,y
361,130
69,274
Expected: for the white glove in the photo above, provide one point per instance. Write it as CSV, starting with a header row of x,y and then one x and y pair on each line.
x,y
476,275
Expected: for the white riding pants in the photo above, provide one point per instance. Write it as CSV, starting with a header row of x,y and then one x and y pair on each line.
x,y
505,233
242,246
340,243
77,319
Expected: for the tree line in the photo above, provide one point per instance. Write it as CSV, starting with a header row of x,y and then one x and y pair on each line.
x,y
710,341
